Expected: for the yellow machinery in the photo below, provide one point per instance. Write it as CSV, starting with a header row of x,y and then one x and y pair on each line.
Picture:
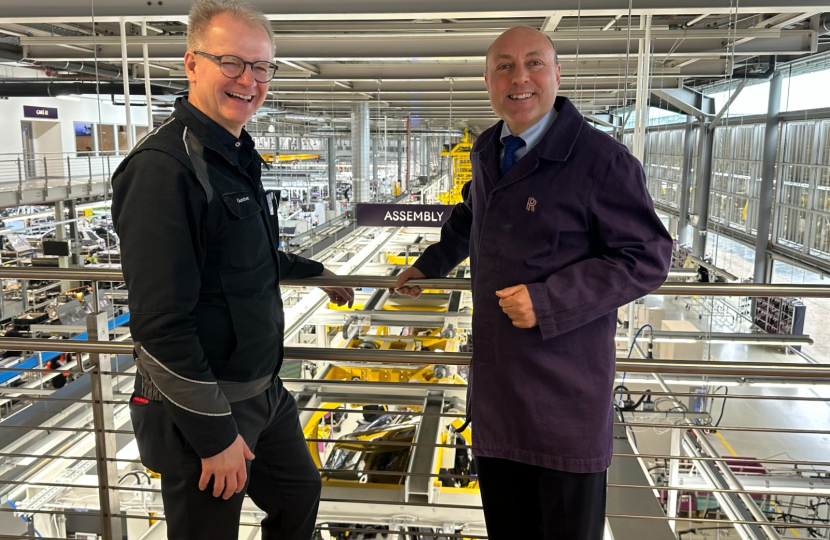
x,y
271,158
371,372
420,339
367,456
462,170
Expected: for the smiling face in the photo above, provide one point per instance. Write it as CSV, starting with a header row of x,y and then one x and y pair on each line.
x,y
522,77
229,102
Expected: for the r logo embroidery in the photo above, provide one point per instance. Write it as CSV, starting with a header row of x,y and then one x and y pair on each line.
x,y
531,205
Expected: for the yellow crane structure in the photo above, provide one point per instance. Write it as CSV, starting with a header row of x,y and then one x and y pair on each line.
x,y
462,170
271,158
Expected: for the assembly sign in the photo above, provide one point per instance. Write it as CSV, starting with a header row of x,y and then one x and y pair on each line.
x,y
402,215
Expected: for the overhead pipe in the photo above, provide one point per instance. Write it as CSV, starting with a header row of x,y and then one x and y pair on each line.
x,y
76,67
55,89
611,23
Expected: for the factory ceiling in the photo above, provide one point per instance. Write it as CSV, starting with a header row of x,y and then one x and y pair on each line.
x,y
427,64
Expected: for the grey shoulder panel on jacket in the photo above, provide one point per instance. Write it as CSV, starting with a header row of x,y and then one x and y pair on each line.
x,y
175,139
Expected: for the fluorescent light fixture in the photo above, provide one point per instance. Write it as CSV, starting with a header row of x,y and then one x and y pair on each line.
x,y
68,98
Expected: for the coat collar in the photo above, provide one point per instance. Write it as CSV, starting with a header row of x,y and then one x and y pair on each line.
x,y
208,137
558,142
555,145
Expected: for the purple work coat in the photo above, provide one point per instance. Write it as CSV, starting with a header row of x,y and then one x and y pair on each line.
x,y
573,221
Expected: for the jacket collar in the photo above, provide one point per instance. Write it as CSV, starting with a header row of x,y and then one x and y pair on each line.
x,y
558,142
555,145
211,134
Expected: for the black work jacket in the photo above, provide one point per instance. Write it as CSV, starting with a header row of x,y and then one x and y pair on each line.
x,y
199,249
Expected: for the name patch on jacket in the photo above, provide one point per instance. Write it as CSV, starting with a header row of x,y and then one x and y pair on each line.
x,y
398,215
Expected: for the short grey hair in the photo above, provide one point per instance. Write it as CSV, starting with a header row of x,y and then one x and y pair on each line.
x,y
203,12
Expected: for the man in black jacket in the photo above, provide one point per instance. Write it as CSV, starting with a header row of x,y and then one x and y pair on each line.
x,y
199,241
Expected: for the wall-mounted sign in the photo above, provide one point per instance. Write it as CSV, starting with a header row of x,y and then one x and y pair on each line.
x,y
402,215
40,112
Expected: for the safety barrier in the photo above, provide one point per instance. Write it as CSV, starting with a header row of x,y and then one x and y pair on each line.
x,y
751,508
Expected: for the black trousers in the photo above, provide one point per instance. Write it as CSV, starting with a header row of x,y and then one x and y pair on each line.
x,y
283,480
524,502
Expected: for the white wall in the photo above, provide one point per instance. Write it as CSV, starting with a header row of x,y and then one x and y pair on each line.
x,y
47,136
84,110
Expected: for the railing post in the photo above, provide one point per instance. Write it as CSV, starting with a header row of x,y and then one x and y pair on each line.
x,y
45,174
103,424
69,172
19,181
24,289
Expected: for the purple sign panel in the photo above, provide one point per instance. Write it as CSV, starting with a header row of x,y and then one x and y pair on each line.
x,y
40,112
402,215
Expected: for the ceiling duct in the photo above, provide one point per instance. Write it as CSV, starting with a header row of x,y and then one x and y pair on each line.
x,y
14,53
55,89
109,72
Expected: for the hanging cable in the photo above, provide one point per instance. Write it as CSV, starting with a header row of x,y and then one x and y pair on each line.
x,y
577,94
627,58
451,97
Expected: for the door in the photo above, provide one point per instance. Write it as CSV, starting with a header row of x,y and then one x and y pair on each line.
x,y
29,168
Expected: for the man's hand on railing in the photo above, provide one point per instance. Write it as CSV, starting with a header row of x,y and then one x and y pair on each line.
x,y
228,469
410,273
339,295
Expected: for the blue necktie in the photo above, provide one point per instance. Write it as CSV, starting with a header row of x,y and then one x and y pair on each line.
x,y
511,144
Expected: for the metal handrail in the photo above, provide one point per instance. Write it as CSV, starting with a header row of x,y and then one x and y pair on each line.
x,y
697,520
110,511
324,471
688,367
449,284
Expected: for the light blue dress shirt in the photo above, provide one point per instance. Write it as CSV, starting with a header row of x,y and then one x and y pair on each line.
x,y
531,136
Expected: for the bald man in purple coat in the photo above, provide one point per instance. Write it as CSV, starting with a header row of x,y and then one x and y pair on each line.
x,y
560,231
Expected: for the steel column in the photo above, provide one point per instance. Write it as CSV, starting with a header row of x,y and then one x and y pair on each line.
x,y
72,210
61,236
674,475
103,422
360,152
332,154
400,159
762,266
148,96
125,72
685,176
643,94
405,181
704,182
374,160
424,155
419,488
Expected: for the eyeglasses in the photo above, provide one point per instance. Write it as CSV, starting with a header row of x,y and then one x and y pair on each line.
x,y
233,67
